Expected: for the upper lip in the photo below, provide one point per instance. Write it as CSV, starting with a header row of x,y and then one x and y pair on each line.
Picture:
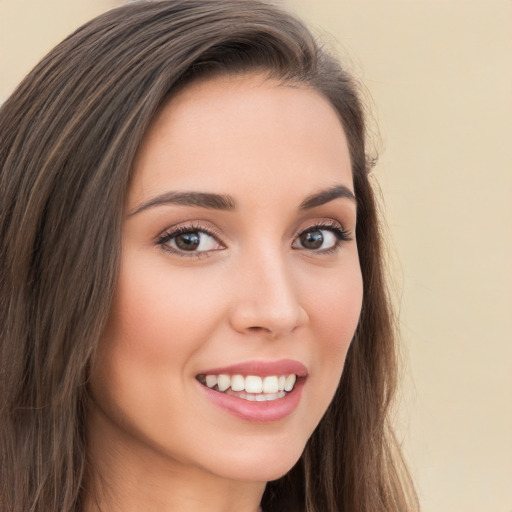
x,y
261,368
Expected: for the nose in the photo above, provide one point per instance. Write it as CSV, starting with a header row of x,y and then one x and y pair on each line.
x,y
267,299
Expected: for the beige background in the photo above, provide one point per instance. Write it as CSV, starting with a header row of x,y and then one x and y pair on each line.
x,y
440,77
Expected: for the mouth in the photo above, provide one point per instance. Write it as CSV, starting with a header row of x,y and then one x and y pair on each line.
x,y
253,388
256,391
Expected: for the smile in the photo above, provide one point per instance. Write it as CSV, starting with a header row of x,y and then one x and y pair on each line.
x,y
255,391
253,388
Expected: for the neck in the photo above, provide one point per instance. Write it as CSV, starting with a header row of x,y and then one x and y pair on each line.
x,y
128,476
144,494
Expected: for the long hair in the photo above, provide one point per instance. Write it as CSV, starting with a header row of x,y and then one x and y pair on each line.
x,y
68,138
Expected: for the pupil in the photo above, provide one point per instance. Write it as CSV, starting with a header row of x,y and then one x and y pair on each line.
x,y
188,241
312,239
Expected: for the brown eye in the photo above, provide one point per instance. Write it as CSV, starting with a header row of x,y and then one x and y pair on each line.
x,y
312,239
320,239
191,241
188,241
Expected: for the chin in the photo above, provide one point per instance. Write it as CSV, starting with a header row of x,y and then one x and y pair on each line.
x,y
261,465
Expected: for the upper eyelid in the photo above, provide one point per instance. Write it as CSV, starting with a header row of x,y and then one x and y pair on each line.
x,y
346,233
179,228
321,224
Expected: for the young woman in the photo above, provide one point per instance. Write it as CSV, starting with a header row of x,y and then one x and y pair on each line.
x,y
193,310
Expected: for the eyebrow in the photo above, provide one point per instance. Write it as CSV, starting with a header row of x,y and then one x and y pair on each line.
x,y
226,202
327,195
197,199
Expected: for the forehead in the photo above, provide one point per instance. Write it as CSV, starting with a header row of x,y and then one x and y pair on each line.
x,y
235,132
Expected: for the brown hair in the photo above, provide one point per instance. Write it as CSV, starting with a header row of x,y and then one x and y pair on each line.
x,y
69,135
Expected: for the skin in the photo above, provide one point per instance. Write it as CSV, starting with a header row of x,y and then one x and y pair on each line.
x,y
254,294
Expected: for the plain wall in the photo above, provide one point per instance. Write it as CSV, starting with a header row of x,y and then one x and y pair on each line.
x,y
440,78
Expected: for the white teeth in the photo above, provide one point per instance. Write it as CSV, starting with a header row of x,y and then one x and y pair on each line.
x,y
253,386
251,397
211,380
237,383
290,382
223,382
270,385
275,396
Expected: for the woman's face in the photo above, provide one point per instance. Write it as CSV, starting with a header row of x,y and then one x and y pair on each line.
x,y
239,275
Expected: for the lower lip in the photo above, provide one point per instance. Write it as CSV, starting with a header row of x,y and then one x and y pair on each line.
x,y
259,412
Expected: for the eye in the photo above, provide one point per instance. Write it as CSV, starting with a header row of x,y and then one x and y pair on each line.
x,y
190,240
321,238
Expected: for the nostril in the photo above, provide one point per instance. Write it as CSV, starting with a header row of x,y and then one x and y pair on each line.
x,y
256,329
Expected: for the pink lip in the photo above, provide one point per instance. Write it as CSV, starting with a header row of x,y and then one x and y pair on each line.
x,y
259,412
261,368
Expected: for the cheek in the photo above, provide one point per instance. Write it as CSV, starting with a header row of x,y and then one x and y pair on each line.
x,y
143,358
334,307
157,314
151,333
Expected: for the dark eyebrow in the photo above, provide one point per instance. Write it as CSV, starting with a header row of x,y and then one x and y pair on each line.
x,y
197,199
324,196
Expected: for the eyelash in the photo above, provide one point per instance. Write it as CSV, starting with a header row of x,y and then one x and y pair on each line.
x,y
342,235
167,236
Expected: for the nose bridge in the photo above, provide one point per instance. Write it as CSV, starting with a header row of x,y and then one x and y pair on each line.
x,y
268,298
